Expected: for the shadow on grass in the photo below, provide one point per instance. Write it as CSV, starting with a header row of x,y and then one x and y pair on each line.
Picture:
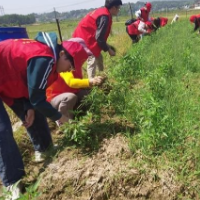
x,y
88,137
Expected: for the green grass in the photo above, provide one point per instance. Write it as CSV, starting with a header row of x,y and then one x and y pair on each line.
x,y
154,86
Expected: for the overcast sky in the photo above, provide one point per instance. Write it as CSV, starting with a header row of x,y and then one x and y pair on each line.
x,y
41,6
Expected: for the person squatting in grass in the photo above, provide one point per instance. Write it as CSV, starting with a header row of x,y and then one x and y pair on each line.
x,y
159,22
67,92
196,20
137,28
94,29
143,13
27,68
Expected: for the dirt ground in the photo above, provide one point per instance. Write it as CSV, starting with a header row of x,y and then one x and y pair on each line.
x,y
106,175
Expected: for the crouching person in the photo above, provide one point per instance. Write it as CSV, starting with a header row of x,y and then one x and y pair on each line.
x,y
68,91
138,28
27,68
196,20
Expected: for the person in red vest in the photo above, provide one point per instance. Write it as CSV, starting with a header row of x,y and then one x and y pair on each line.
x,y
137,28
159,22
163,21
27,68
196,20
69,89
94,29
143,13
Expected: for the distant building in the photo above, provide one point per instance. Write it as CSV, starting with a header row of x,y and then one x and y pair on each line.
x,y
197,5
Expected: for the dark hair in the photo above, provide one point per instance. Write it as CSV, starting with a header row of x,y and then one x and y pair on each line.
x,y
111,3
196,23
67,54
156,23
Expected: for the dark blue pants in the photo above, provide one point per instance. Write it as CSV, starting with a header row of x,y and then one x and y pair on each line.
x,y
39,132
11,164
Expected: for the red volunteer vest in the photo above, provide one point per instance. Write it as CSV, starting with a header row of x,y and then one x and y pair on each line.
x,y
133,28
87,27
144,14
14,56
192,18
59,86
163,21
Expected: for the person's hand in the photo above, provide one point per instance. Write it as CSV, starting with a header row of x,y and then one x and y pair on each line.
x,y
111,52
29,118
63,119
149,31
141,19
97,80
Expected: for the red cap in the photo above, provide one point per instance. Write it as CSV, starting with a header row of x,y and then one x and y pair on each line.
x,y
192,18
77,48
82,43
148,6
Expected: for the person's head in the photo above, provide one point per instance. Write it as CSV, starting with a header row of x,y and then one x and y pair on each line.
x,y
113,6
192,18
73,53
148,6
65,62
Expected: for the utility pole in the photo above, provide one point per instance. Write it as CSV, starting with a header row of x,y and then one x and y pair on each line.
x,y
2,11
58,25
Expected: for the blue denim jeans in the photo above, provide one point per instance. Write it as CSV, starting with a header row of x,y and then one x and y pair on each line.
x,y
11,164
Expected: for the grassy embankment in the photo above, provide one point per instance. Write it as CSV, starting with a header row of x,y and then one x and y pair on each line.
x,y
155,87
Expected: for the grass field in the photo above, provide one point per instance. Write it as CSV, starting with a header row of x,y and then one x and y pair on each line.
x,y
152,86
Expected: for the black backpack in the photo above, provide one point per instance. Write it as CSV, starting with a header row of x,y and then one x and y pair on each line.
x,y
130,21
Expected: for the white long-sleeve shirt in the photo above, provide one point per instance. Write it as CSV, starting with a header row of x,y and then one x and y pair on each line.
x,y
142,27
138,14
176,17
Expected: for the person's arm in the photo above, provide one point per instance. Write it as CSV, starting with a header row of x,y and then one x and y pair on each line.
x,y
27,104
102,26
138,14
141,27
38,71
72,82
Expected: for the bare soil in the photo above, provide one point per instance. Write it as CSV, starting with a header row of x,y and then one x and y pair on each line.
x,y
109,174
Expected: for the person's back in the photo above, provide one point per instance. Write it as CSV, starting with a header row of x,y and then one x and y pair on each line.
x,y
87,27
163,21
132,29
143,13
137,28
14,55
95,28
196,20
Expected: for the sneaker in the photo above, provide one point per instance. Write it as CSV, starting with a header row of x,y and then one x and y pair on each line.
x,y
14,190
39,156
55,146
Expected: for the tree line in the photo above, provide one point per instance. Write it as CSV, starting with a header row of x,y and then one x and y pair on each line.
x,y
15,19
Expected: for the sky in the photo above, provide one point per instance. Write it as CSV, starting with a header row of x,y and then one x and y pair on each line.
x,y
25,7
